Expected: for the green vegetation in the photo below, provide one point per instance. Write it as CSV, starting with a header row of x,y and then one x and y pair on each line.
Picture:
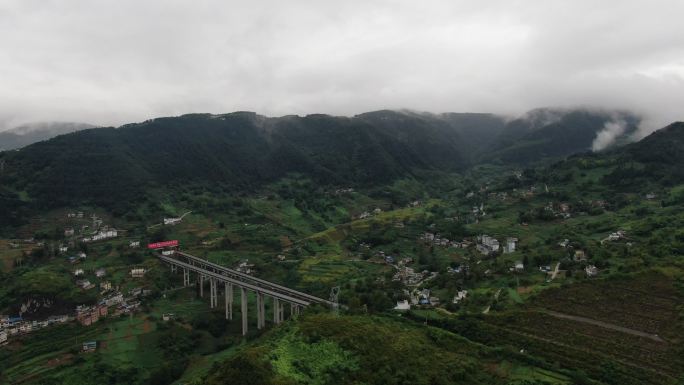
x,y
387,206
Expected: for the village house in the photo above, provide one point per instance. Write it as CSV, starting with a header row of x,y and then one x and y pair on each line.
x,y
167,316
591,271
114,299
460,296
101,272
89,346
78,272
519,267
487,245
85,284
424,297
105,286
579,256
651,196
172,221
245,267
167,252
63,249
3,337
510,245
403,305
138,272
564,243
82,255
68,232
88,315
134,244
280,257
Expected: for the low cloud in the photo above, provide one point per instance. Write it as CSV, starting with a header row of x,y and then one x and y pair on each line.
x,y
609,134
110,63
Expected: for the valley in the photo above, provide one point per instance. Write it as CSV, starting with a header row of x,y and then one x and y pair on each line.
x,y
450,269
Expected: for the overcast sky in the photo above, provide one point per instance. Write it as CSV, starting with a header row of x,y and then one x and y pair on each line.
x,y
118,61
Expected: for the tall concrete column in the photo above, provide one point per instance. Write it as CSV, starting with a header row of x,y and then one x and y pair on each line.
x,y
243,305
201,282
276,310
229,300
212,292
260,311
281,312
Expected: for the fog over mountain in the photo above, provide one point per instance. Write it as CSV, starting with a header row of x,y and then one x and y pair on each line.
x,y
113,63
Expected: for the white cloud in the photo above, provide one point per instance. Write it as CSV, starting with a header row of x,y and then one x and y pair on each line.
x,y
109,63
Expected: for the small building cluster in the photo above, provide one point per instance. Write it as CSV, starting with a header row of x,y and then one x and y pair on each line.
x,y
104,234
11,326
88,315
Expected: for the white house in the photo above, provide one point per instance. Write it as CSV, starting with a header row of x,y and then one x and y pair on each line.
x,y
403,305
519,266
510,245
460,296
591,271
172,221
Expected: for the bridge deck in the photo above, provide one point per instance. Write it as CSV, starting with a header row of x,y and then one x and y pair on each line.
x,y
246,285
242,277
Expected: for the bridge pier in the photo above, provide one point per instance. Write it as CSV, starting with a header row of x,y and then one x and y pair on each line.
x,y
228,290
212,293
261,311
243,305
278,311
201,283
294,310
186,277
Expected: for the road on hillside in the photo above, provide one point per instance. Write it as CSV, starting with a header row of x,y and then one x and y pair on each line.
x,y
606,325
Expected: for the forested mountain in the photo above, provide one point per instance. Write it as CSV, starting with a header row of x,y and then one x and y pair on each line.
x,y
35,132
548,133
115,167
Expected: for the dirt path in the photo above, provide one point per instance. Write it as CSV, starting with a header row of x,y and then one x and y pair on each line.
x,y
555,272
606,325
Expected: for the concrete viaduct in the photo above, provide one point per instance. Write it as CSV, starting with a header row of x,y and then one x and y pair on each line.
x,y
232,281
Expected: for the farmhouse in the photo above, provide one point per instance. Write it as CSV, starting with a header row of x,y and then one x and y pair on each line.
x,y
403,305
591,271
487,245
172,221
460,296
89,346
510,245
580,256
